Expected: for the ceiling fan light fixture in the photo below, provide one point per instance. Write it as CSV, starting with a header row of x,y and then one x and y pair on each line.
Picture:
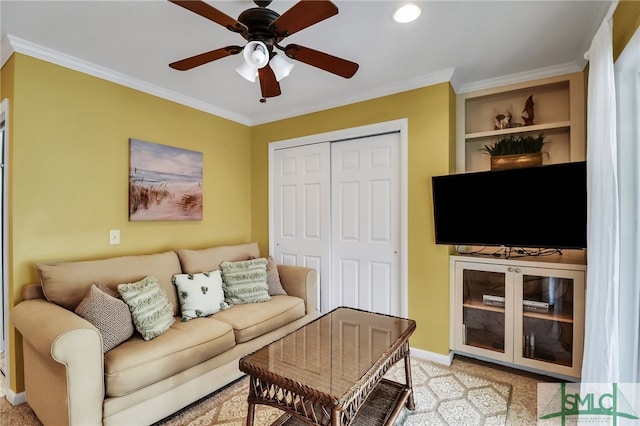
x,y
256,54
281,66
407,13
247,71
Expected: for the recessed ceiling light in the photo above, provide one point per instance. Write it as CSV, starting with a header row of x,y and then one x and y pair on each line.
x,y
406,13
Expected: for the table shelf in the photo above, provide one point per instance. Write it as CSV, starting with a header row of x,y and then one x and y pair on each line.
x,y
382,407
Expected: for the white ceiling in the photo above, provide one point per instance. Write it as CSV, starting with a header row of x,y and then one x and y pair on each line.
x,y
472,43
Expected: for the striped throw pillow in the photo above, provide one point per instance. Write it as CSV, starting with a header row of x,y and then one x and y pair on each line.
x,y
245,281
151,311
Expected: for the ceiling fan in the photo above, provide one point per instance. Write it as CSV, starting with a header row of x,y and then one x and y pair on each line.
x,y
264,29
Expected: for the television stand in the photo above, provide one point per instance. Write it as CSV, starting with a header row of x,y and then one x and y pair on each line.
x,y
527,312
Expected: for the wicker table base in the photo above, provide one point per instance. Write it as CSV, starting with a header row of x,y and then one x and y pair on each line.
x,y
343,387
381,408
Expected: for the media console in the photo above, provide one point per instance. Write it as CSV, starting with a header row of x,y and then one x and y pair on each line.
x,y
525,312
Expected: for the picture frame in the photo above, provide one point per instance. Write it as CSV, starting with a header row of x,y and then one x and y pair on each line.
x,y
165,182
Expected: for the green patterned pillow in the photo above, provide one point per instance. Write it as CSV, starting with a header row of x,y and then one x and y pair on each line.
x,y
151,311
245,281
200,294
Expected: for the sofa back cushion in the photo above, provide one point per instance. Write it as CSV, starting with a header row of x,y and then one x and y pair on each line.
x,y
67,283
209,259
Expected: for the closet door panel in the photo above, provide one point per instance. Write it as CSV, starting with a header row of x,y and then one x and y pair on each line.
x,y
365,188
301,192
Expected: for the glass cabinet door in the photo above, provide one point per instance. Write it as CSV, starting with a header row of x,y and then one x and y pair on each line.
x,y
483,309
547,312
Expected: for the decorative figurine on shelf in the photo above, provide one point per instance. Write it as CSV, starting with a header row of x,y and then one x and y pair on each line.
x,y
527,113
503,121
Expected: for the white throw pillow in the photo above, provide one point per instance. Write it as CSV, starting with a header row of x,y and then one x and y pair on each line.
x,y
200,294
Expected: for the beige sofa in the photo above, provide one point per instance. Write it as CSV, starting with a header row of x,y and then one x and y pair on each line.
x,y
69,380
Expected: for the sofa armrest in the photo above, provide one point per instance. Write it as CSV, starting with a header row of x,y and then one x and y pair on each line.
x,y
300,282
63,363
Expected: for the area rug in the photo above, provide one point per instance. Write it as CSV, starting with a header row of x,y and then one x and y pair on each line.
x,y
443,396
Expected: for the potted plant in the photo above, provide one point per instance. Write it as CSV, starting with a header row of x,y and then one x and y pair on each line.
x,y
515,151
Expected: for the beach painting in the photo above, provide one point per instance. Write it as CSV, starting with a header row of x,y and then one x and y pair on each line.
x,y
165,183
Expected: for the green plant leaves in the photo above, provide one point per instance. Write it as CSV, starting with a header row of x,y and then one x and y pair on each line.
x,y
515,144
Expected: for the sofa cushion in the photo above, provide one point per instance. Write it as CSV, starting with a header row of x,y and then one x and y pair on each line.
x,y
109,315
255,319
151,311
245,281
137,363
67,283
209,259
200,294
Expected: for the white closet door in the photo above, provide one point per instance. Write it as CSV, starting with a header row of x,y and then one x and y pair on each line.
x,y
301,196
365,205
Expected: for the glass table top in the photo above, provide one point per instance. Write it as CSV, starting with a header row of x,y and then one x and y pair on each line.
x,y
333,352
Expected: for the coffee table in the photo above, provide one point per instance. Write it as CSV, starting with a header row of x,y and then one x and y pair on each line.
x,y
330,371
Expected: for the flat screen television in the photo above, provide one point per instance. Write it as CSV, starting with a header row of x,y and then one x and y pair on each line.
x,y
538,207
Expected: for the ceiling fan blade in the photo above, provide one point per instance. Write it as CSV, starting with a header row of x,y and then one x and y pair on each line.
x,y
205,10
322,60
302,15
268,83
203,58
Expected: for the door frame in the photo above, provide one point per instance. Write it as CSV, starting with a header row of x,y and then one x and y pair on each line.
x,y
401,126
4,169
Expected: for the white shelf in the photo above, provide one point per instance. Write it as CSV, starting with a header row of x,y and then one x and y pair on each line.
x,y
562,125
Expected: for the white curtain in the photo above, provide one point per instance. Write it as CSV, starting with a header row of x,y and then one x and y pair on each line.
x,y
628,97
600,362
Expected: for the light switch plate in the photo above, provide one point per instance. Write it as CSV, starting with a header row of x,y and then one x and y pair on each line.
x,y
114,236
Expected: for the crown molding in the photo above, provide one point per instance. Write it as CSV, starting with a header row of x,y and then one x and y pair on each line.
x,y
11,44
521,77
5,51
15,44
392,89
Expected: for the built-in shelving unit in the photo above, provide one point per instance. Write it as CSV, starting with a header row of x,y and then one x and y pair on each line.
x,y
558,113
527,313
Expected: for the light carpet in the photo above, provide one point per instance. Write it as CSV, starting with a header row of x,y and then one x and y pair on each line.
x,y
443,396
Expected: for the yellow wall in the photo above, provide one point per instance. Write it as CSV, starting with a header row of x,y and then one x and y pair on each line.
x,y
626,20
69,172
431,116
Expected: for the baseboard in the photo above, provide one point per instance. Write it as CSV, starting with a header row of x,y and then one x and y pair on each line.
x,y
15,398
432,356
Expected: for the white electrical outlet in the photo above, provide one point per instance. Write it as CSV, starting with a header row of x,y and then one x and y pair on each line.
x,y
114,237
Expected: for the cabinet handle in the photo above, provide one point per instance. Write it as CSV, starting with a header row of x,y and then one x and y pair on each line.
x,y
517,270
510,269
